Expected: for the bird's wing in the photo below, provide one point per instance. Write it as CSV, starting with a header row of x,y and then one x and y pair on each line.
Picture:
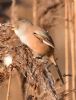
x,y
47,42
45,38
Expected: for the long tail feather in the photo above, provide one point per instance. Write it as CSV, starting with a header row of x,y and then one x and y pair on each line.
x,y
57,68
59,72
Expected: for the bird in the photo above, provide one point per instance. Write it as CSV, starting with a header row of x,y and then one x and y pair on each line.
x,y
37,39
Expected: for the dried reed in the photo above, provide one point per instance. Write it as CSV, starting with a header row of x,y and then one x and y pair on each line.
x,y
71,28
35,19
13,14
13,17
66,48
9,84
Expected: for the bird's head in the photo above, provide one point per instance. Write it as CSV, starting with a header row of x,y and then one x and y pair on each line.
x,y
21,26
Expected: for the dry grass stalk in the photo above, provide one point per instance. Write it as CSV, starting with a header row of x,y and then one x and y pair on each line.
x,y
71,28
35,19
74,37
9,84
66,48
12,21
74,13
13,14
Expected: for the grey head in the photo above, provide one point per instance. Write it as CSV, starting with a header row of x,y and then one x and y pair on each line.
x,y
22,23
21,26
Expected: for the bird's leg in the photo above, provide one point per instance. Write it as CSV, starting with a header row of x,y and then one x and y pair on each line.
x,y
35,55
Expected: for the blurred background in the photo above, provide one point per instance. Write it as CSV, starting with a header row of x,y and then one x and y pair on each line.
x,y
50,14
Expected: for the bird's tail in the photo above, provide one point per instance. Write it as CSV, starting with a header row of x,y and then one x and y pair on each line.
x,y
57,68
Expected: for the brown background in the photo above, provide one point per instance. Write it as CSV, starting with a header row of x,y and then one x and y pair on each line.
x,y
51,22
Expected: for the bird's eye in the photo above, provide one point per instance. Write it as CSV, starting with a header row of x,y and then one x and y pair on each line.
x,y
35,33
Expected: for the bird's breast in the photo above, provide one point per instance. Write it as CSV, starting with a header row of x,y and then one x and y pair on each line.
x,y
21,36
36,45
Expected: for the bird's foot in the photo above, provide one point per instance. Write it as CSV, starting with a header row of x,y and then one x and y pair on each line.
x,y
37,56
